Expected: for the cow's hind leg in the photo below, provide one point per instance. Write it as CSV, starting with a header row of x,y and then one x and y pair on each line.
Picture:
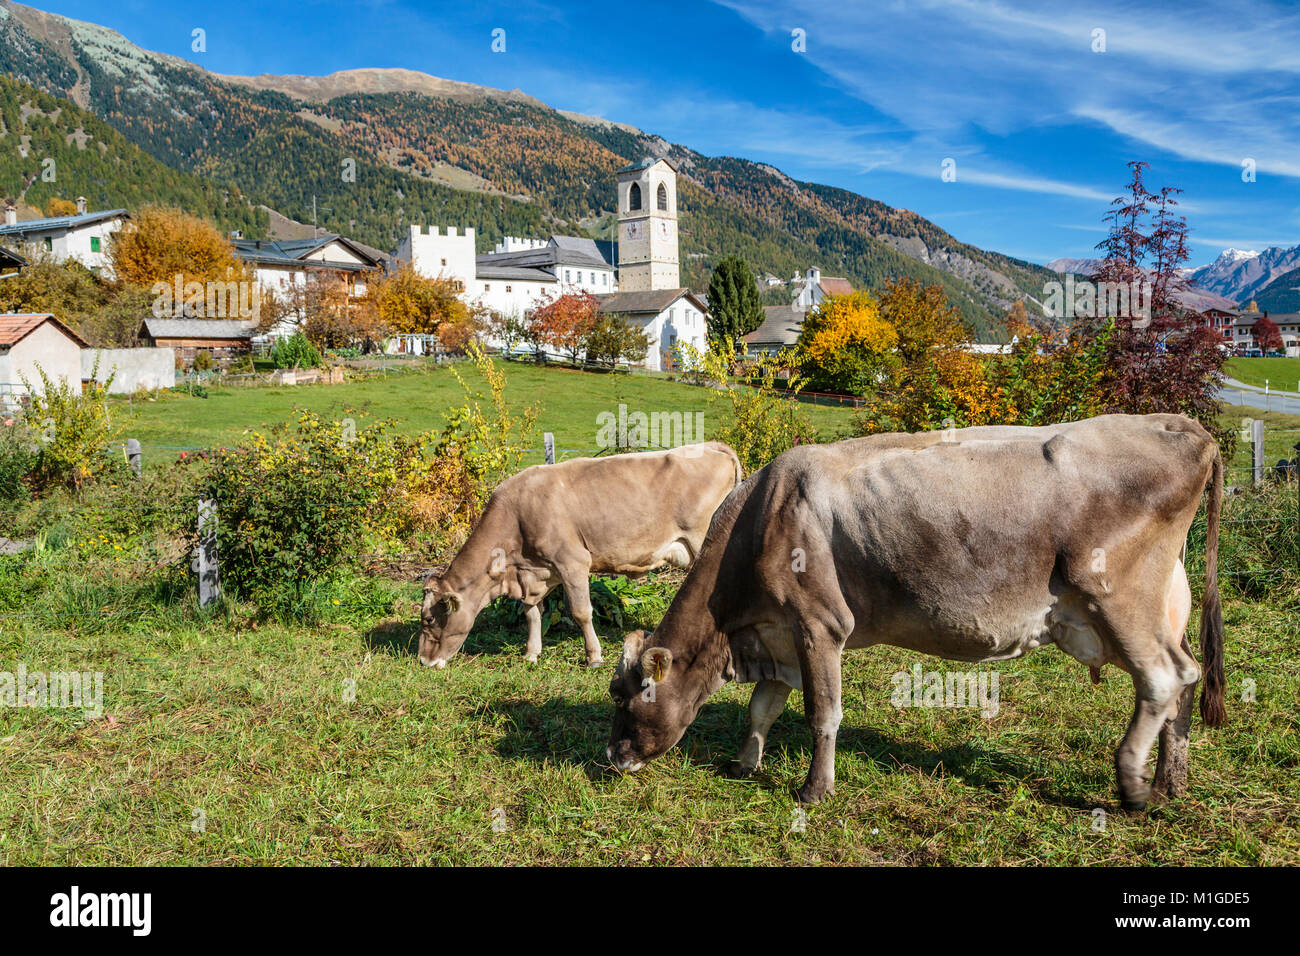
x,y
1171,765
577,588
765,706
1159,686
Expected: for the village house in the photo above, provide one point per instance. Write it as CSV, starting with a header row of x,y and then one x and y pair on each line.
x,y
83,237
1243,330
814,287
30,344
783,323
779,331
282,267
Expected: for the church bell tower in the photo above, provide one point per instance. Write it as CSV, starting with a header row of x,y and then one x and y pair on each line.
x,y
647,226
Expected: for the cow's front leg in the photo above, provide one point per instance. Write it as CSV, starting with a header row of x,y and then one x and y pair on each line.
x,y
819,661
533,613
577,589
765,706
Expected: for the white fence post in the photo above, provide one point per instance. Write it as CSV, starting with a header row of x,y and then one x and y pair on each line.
x,y
549,440
205,555
1257,450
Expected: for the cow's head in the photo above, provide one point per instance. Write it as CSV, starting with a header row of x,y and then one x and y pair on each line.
x,y
653,704
445,622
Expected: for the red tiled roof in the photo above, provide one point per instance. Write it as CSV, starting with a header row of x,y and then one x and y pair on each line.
x,y
832,285
15,328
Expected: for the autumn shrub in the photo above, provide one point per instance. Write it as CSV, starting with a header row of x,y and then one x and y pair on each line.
x,y
760,422
71,429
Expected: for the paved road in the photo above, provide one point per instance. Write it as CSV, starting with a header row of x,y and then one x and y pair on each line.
x,y
1237,393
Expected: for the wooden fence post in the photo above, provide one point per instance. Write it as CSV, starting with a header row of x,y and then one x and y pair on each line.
x,y
133,456
205,555
549,440
1257,450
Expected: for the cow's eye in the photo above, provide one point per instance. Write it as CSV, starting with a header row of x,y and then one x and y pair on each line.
x,y
619,699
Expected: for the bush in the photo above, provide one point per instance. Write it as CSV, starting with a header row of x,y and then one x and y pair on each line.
x,y
17,462
763,422
295,352
73,429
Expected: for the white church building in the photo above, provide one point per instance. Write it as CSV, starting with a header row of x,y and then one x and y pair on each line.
x,y
638,277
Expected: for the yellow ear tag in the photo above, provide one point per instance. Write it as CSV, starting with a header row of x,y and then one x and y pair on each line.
x,y
659,669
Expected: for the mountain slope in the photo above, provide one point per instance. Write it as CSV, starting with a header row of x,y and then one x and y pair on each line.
x,y
52,148
1282,294
427,150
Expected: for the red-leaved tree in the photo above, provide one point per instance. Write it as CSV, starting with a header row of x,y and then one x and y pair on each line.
x,y
564,323
1163,358
1267,334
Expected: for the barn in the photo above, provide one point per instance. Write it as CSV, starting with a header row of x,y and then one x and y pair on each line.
x,y
223,338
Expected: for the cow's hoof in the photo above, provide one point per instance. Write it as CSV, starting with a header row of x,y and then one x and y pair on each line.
x,y
531,658
596,663
813,793
739,770
1136,800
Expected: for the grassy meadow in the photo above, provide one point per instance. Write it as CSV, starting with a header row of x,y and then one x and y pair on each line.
x,y
570,401
229,739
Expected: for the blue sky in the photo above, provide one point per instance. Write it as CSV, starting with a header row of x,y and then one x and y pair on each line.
x,y
1038,122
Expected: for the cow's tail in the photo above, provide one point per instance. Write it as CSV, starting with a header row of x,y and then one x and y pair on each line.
x,y
1213,712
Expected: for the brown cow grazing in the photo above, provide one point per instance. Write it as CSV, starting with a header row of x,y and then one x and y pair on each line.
x,y
973,545
556,524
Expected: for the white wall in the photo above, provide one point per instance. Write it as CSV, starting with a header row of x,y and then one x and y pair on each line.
x,y
131,369
75,243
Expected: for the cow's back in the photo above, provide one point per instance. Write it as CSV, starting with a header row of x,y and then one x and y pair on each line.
x,y
976,532
624,509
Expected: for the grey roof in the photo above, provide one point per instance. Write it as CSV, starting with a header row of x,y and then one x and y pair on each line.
x,y
514,272
198,329
781,326
549,257
62,222
10,258
652,301
294,252
602,249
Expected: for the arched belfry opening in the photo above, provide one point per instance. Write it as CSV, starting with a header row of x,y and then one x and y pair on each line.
x,y
663,196
634,197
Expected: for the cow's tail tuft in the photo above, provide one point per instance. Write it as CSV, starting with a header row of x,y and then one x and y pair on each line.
x,y
1213,711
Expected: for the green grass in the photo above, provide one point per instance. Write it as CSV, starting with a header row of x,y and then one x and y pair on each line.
x,y
1282,374
570,402
253,727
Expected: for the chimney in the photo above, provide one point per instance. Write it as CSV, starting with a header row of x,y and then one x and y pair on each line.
x,y
81,205
11,213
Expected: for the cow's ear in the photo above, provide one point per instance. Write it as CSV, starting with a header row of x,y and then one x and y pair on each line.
x,y
656,663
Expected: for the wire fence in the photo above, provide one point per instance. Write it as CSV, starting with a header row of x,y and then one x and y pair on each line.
x,y
181,540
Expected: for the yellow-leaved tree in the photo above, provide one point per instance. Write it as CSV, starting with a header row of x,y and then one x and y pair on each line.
x,y
845,345
158,245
